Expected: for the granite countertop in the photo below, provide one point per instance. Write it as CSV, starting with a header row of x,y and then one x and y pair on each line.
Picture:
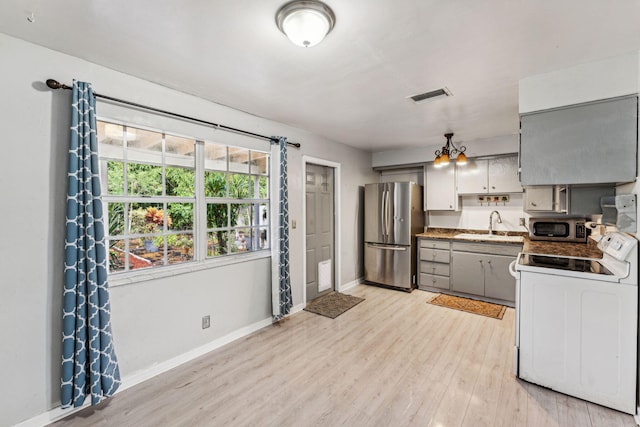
x,y
586,250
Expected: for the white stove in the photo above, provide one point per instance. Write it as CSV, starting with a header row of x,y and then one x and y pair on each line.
x,y
577,322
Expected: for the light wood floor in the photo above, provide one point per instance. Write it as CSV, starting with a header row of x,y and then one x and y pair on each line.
x,y
392,360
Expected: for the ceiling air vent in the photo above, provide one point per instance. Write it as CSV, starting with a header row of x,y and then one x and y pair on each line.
x,y
433,94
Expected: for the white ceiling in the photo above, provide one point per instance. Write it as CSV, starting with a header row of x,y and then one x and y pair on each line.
x,y
352,87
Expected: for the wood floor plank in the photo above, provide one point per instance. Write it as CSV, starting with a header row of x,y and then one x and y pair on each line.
x,y
453,406
485,398
605,417
542,409
391,360
572,411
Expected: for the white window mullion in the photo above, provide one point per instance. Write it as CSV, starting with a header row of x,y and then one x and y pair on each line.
x,y
200,215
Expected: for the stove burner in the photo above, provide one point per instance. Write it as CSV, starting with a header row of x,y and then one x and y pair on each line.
x,y
562,263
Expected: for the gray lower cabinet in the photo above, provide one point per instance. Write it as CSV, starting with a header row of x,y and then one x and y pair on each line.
x,y
498,283
468,273
433,264
481,269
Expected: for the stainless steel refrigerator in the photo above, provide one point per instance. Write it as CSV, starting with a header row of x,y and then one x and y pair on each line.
x,y
393,216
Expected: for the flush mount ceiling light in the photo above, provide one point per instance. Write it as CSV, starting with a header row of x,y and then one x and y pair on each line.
x,y
305,22
443,156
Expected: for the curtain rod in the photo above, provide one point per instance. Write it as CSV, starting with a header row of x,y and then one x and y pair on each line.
x,y
54,84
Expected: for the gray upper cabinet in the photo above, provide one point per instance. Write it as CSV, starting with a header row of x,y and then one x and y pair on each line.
x,y
589,143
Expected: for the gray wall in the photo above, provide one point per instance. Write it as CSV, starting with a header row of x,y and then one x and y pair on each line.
x,y
155,320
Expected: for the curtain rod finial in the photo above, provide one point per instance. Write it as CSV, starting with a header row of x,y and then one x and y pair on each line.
x,y
54,84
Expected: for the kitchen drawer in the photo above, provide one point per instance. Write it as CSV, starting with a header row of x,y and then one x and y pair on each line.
x,y
488,248
434,255
436,268
441,282
434,244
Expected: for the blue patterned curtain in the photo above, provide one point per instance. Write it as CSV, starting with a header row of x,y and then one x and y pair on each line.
x,y
89,364
283,217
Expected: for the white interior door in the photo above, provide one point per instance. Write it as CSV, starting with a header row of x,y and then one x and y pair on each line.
x,y
319,227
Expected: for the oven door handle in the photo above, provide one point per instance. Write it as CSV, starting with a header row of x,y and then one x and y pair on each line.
x,y
512,268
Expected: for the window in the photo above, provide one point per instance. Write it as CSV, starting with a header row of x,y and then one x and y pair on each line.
x,y
236,184
152,191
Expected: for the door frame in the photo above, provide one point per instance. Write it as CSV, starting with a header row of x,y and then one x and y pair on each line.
x,y
336,221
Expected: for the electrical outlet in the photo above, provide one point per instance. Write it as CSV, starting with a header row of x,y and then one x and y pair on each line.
x,y
522,223
206,321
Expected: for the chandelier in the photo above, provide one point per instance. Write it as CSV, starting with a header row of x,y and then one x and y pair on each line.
x,y
448,150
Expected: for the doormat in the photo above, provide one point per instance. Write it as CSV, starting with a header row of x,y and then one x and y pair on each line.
x,y
333,304
482,308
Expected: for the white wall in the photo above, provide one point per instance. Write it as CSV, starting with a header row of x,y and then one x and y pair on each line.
x,y
475,216
611,77
402,175
153,321
475,148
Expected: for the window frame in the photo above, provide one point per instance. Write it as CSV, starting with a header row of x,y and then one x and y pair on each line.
x,y
200,260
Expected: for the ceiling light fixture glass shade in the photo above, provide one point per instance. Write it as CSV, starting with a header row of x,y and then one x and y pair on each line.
x,y
461,159
305,22
443,156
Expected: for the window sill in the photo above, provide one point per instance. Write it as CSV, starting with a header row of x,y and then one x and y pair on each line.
x,y
143,275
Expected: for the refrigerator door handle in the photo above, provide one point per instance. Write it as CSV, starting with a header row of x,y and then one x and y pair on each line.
x,y
387,215
382,213
387,247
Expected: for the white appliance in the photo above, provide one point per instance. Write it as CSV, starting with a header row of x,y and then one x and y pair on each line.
x,y
577,322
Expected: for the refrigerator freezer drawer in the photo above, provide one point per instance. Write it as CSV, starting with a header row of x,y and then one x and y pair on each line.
x,y
388,265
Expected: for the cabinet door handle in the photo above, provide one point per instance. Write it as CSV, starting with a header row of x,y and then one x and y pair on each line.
x,y
493,187
533,204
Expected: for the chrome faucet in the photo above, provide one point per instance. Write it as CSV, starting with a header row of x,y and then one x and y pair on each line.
x,y
499,220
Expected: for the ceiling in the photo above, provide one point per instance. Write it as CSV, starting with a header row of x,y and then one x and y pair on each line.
x,y
352,87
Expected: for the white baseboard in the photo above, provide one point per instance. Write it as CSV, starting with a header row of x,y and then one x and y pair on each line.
x,y
352,284
136,378
52,415
157,369
297,308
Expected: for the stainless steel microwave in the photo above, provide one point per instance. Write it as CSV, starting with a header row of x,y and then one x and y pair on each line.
x,y
558,229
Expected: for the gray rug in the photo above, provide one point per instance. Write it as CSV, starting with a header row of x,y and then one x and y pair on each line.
x,y
333,304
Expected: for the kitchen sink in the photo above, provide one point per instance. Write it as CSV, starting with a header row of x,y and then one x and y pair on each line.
x,y
489,237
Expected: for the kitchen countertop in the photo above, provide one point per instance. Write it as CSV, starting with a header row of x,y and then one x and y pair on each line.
x,y
586,250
